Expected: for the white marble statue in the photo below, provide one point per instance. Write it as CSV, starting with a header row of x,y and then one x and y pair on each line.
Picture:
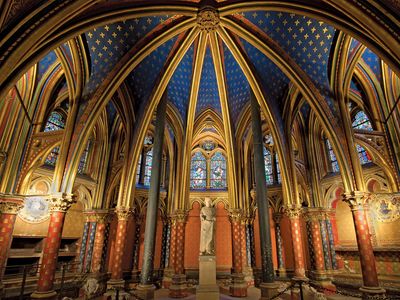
x,y
207,217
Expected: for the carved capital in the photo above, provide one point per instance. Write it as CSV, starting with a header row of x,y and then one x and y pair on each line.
x,y
313,214
356,199
100,216
208,18
61,202
235,215
179,216
10,204
293,211
123,213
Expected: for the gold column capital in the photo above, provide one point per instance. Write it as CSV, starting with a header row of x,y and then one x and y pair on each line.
x,y
61,202
101,216
293,211
312,214
11,204
179,216
236,215
123,213
356,199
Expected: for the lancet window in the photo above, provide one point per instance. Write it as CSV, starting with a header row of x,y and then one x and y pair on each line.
x,y
56,121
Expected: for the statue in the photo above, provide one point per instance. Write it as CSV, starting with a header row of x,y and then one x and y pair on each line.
x,y
207,217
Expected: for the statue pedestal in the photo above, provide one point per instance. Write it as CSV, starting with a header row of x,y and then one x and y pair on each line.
x,y
208,288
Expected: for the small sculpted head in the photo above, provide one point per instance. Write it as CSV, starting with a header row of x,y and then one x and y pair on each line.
x,y
208,201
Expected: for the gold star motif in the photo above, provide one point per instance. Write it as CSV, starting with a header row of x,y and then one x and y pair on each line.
x,y
309,22
106,28
90,35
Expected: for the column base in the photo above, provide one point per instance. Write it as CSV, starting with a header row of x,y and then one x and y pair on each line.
x,y
281,273
268,290
207,292
248,275
167,278
239,286
145,291
371,293
135,276
114,284
178,287
44,295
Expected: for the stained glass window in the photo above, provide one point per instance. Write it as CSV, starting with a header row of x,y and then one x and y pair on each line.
x,y
147,167
332,156
51,159
278,168
84,159
361,121
138,168
55,122
218,171
363,155
198,171
269,178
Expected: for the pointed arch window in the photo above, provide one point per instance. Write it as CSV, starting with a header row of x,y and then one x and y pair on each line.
x,y
278,169
147,167
363,155
361,121
139,169
55,121
218,171
198,171
83,162
332,157
269,175
51,159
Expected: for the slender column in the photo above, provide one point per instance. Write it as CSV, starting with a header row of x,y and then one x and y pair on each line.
x,y
325,243
313,218
293,212
10,205
243,240
331,240
59,204
99,241
164,171
164,243
279,248
82,251
89,251
268,287
261,194
178,288
238,287
146,279
123,214
356,200
136,248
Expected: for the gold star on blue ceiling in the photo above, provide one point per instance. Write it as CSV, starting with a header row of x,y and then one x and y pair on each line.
x,y
208,96
179,86
107,45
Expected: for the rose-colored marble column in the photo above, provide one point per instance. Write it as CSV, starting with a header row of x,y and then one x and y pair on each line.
x,y
178,287
239,286
293,212
357,200
10,205
59,205
102,217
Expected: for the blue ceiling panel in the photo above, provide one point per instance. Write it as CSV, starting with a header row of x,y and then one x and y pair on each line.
x,y
45,63
307,41
374,62
108,44
208,96
273,81
237,85
143,78
179,86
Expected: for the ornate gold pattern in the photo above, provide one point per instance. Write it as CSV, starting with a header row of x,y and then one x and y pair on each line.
x,y
61,202
179,216
293,211
11,207
208,18
123,213
235,215
356,199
